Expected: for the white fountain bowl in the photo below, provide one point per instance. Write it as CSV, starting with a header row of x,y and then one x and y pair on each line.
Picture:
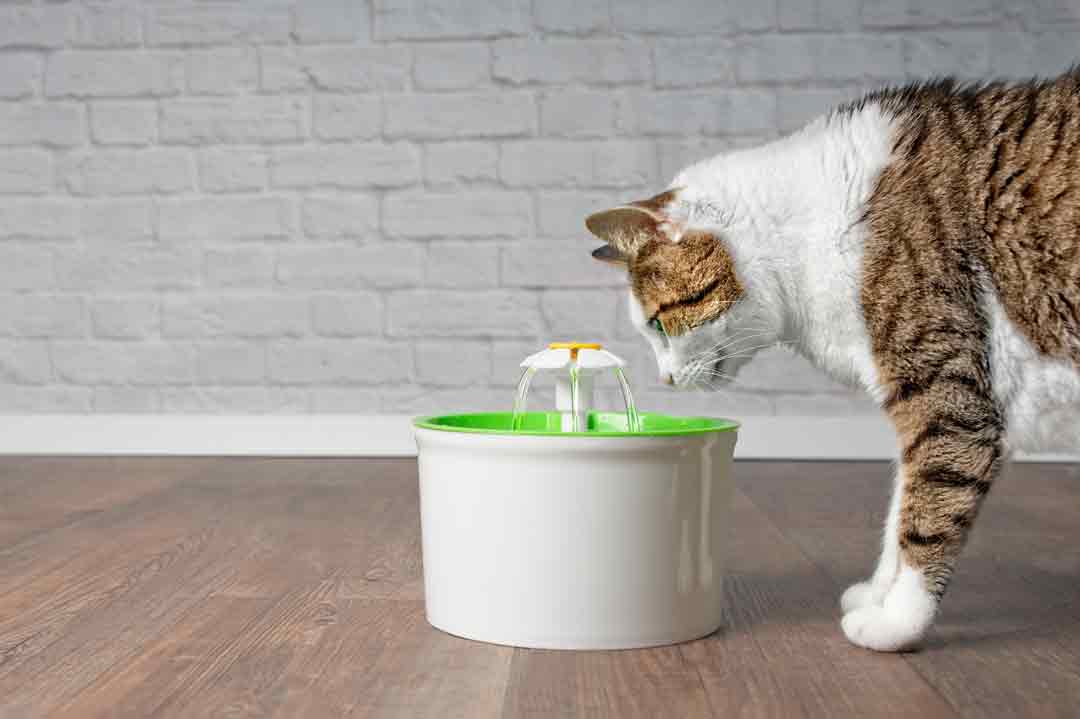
x,y
594,540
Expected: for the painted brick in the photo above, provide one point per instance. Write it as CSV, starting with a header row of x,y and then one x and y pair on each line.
x,y
1019,54
217,219
679,17
579,313
20,75
579,114
432,400
778,370
113,74
674,155
217,25
231,363
239,267
26,268
125,400
105,26
451,163
123,123
234,316
730,402
462,214
463,314
757,16
800,58
453,363
424,19
561,214
572,16
347,315
127,172
347,167
461,115
240,119
694,62
462,265
331,217
232,169
964,53
452,67
347,117
108,363
819,14
25,172
222,71
316,21
720,112
233,400
602,62
380,266
43,219
795,108
548,163
120,269
125,318
42,316
23,363
45,400
358,69
506,356
39,27
556,264
348,362
848,404
917,13
344,400
51,124
117,221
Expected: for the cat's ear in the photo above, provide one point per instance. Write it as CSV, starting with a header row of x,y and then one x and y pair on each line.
x,y
624,229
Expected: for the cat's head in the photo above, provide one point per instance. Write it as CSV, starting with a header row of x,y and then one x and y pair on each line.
x,y
691,297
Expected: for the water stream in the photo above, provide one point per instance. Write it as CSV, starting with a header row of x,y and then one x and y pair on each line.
x,y
521,397
633,420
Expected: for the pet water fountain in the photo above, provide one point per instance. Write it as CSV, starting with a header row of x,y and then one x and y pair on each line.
x,y
574,528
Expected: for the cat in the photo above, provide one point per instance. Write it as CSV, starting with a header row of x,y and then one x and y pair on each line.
x,y
922,243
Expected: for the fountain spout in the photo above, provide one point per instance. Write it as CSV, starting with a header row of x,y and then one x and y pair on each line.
x,y
576,365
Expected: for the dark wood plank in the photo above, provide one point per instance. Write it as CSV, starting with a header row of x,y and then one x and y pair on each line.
x,y
781,652
280,587
636,683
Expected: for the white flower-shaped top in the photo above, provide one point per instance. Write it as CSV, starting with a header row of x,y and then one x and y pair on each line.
x,y
561,355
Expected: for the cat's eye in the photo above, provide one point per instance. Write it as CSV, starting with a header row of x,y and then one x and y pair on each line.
x,y
657,325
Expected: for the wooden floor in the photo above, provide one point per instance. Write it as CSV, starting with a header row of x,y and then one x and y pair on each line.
x,y
258,587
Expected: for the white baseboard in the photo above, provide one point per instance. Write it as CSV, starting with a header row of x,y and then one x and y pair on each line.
x,y
384,436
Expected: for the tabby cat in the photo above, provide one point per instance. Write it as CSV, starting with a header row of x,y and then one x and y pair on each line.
x,y
922,243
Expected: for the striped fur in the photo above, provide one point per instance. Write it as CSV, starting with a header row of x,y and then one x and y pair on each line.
x,y
922,243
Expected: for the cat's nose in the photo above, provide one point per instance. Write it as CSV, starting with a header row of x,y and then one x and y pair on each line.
x,y
667,378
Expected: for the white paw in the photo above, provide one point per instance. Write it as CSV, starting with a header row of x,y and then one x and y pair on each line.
x,y
898,623
859,595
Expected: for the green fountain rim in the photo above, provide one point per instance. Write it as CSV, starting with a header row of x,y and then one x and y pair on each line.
x,y
601,424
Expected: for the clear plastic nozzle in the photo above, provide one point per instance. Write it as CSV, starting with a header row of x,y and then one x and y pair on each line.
x,y
575,365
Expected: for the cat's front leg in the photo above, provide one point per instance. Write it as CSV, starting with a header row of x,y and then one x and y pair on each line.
x,y
873,590
953,449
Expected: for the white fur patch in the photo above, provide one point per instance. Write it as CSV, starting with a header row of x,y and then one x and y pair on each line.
x,y
788,212
1040,395
899,622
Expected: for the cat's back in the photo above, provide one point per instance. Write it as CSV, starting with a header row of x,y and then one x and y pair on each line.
x,y
974,235
986,180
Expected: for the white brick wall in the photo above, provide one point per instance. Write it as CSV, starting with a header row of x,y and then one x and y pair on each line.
x,y
376,205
